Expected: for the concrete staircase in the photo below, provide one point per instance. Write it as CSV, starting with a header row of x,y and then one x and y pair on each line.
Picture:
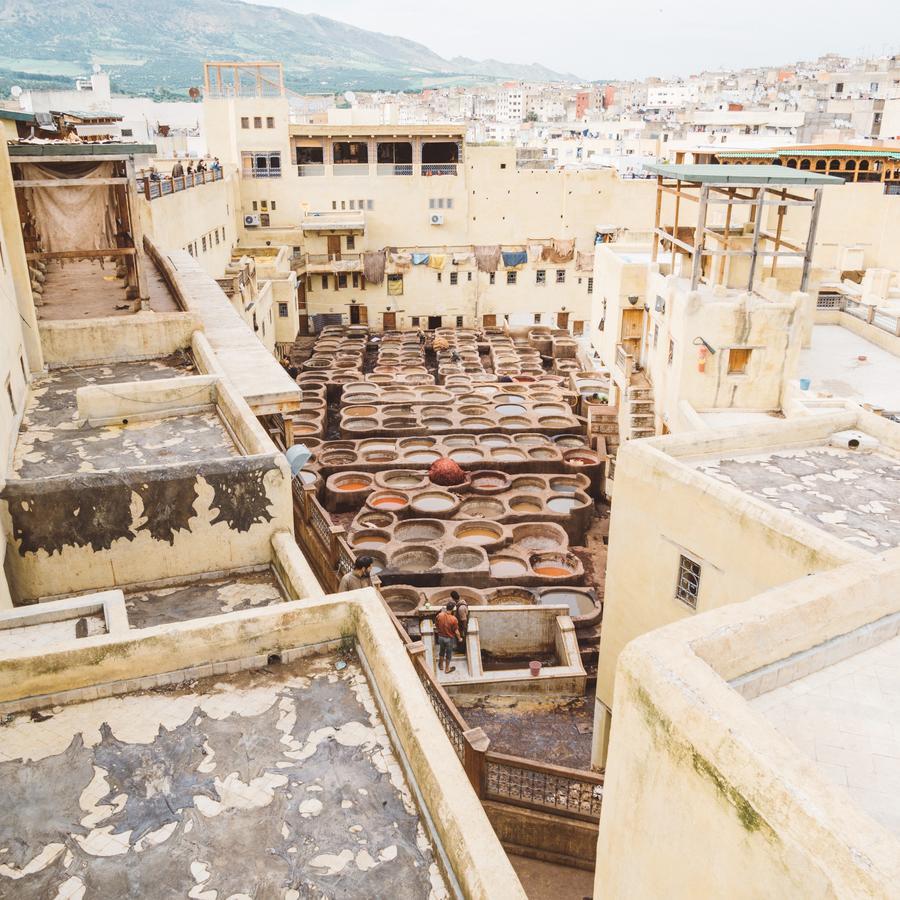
x,y
641,420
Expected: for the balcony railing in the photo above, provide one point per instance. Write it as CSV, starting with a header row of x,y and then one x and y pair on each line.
x,y
168,184
305,170
262,172
395,168
865,312
350,169
439,168
624,362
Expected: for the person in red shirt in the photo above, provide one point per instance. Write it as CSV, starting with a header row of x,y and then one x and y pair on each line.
x,y
447,628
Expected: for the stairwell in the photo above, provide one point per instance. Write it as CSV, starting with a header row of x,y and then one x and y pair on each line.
x,y
641,418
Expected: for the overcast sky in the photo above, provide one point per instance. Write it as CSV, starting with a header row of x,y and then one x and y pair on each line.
x,y
604,39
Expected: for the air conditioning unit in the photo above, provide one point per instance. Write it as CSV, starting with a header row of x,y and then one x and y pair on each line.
x,y
436,218
251,221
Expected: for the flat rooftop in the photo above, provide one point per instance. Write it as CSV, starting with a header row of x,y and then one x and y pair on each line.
x,y
852,494
279,782
90,289
846,718
199,597
834,368
51,442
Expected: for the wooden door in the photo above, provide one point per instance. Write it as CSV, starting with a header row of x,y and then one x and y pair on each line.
x,y
562,320
354,315
334,246
577,327
632,324
363,315
389,321
489,321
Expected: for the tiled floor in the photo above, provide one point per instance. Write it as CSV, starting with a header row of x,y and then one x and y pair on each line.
x,y
846,717
279,783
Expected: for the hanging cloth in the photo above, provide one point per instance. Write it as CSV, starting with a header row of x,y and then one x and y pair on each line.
x,y
584,262
420,259
488,257
514,259
401,261
373,266
535,253
437,260
463,259
559,251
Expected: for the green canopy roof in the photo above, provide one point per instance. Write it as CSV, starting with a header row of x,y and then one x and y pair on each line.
x,y
751,175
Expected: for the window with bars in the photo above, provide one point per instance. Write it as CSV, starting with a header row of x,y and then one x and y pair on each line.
x,y
688,587
590,285
454,278
351,242
492,277
270,122
560,276
245,121
283,310
459,321
540,277
257,121
511,277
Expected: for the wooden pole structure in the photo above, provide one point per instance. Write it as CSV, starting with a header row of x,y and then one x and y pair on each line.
x,y
697,257
781,211
659,194
728,209
811,239
757,227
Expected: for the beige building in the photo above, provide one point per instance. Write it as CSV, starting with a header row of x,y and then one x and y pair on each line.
x,y
709,518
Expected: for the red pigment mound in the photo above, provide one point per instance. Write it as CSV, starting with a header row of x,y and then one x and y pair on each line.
x,y
446,472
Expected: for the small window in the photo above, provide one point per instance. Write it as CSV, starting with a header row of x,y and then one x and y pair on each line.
x,y
264,205
257,121
352,204
449,203
590,285
342,280
370,205
264,220
283,310
432,203
9,394
127,132
362,204
440,202
190,249
454,278
671,352
324,282
203,243
395,285
272,204
540,277
356,279
440,277
688,587
414,321
492,277
217,235
738,359
537,318
351,242
270,122
255,206
468,276
511,277
334,204
560,276
655,336
459,321
245,122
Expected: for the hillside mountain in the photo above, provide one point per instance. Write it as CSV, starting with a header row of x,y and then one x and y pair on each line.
x,y
157,47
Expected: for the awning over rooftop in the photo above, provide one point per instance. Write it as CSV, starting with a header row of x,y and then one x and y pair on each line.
x,y
734,175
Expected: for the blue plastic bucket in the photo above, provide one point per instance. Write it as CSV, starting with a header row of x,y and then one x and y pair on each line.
x,y
804,384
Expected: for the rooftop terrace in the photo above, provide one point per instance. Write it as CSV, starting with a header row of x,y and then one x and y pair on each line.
x,y
277,782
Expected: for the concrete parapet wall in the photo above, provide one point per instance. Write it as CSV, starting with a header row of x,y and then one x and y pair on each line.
x,y
144,335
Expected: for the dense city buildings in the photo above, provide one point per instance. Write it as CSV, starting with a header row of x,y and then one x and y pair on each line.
x,y
486,492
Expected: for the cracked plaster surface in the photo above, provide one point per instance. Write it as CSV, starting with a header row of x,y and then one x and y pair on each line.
x,y
274,784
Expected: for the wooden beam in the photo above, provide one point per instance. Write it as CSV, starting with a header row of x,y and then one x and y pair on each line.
x,y
720,277
83,254
698,238
67,182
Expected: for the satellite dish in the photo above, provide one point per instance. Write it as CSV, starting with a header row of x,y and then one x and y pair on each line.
x,y
349,96
298,456
16,91
96,68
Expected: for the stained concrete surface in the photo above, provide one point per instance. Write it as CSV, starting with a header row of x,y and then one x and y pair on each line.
x,y
29,638
557,732
198,598
548,881
277,783
854,495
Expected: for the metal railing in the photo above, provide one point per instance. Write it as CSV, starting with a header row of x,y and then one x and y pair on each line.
x,y
168,184
439,168
865,312
395,168
624,362
830,301
262,172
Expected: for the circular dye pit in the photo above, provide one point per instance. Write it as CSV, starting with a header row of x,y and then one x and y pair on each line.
x,y
531,440
384,500
476,422
526,505
495,440
415,559
511,597
538,536
465,456
510,409
581,458
528,484
379,456
307,477
551,409
479,533
402,480
507,566
400,600
362,424
419,530
422,456
543,453
553,565
375,520
415,442
481,508
579,602
337,458
563,504
359,410
462,558
370,539
568,441
352,483
434,502
554,422
515,421
510,454
460,440
562,486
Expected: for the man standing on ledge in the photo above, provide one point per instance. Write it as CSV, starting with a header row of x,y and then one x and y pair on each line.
x,y
447,634
358,577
